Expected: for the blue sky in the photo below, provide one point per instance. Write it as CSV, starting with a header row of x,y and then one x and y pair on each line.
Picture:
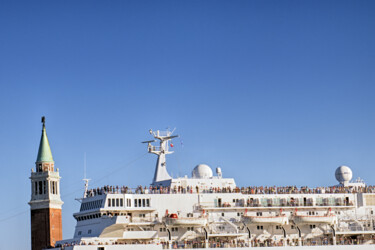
x,y
273,92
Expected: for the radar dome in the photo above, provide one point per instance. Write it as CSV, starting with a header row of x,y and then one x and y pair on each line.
x,y
343,174
202,171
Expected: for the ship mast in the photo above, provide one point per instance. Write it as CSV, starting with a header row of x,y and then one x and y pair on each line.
x,y
161,173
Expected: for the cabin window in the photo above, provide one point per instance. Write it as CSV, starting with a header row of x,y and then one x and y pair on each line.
x,y
147,202
121,202
109,202
101,248
135,203
143,203
312,226
259,213
139,202
117,202
222,214
260,227
113,202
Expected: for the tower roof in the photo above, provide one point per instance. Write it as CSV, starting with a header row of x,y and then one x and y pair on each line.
x,y
44,153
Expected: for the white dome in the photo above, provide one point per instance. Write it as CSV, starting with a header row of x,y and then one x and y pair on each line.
x,y
202,171
343,174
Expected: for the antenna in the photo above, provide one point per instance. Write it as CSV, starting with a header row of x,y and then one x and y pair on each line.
x,y
84,166
84,177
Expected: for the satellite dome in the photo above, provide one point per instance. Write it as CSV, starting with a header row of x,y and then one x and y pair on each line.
x,y
202,171
343,174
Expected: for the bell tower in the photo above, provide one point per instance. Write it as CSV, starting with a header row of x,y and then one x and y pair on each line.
x,y
45,203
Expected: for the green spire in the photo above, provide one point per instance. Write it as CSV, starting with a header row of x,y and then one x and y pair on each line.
x,y
44,153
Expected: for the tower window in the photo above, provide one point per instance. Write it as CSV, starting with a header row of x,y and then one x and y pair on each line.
x,y
35,187
44,187
40,187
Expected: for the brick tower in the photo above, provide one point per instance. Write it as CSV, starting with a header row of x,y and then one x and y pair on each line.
x,y
45,203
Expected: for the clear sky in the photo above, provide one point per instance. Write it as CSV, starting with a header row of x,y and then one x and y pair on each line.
x,y
273,92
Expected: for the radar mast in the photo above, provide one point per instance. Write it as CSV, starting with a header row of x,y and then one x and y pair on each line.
x,y
161,173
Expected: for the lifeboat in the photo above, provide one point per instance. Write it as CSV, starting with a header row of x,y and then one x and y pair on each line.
x,y
174,220
271,220
308,219
328,218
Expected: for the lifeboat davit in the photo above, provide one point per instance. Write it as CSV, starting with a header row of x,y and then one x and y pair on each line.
x,y
174,220
271,220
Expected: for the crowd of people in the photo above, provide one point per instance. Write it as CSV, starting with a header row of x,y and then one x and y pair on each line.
x,y
243,190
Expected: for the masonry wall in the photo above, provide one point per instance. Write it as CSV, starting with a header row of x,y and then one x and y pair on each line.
x,y
46,228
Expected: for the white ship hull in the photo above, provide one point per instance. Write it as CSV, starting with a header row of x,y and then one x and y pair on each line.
x,y
159,247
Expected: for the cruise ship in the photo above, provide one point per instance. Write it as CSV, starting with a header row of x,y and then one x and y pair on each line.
x,y
207,210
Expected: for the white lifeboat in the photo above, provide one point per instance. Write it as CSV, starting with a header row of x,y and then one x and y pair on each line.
x,y
271,220
328,218
174,220
280,219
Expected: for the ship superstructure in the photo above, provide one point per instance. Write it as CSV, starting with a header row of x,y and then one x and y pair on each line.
x,y
207,211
